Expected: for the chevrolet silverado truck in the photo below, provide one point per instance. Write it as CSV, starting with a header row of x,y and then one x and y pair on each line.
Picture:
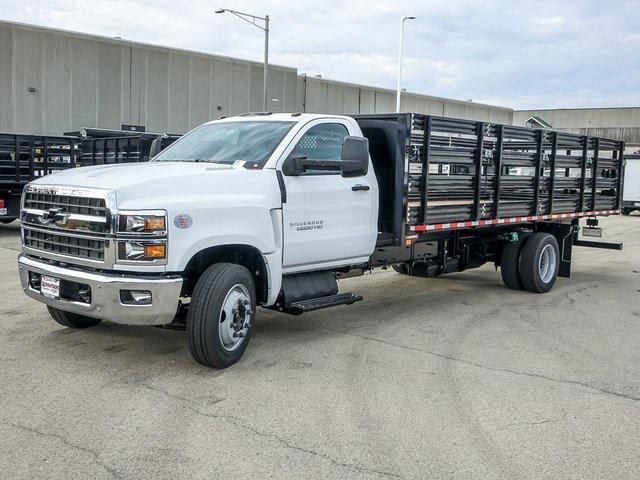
x,y
272,210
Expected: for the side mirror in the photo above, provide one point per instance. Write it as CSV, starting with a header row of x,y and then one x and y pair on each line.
x,y
293,166
156,147
355,157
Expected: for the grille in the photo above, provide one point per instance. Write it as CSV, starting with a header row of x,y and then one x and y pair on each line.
x,y
61,244
71,204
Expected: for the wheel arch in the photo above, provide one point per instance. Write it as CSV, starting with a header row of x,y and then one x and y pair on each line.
x,y
248,256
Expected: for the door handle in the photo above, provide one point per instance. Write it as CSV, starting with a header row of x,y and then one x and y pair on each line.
x,y
359,187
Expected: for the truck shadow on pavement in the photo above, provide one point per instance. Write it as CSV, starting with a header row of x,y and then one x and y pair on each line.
x,y
391,301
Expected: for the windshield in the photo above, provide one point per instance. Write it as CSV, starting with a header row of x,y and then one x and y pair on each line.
x,y
228,142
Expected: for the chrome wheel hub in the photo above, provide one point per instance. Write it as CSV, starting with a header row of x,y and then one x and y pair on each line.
x,y
235,316
547,263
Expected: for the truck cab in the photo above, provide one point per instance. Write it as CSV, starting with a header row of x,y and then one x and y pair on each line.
x,y
255,198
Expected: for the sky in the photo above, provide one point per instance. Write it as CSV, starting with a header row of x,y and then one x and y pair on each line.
x,y
517,54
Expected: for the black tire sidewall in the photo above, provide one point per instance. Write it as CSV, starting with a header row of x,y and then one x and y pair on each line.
x,y
72,320
510,262
204,313
529,259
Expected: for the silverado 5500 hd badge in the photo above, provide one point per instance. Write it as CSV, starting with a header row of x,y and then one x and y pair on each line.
x,y
307,225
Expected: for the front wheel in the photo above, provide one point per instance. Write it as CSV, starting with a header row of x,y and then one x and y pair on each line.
x,y
72,320
221,315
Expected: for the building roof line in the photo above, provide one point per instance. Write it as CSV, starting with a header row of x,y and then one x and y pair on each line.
x,y
122,41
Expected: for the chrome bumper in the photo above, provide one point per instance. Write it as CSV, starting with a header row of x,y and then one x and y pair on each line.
x,y
105,294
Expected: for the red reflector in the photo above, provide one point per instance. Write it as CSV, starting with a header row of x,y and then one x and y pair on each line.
x,y
1,203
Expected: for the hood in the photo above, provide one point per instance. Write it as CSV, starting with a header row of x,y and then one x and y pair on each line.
x,y
158,184
115,176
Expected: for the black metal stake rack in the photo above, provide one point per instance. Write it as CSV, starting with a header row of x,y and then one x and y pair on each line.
x,y
465,171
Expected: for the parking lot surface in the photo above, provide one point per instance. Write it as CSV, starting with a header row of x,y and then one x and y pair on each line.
x,y
455,377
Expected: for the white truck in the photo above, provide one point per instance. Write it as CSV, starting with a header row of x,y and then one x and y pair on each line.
x,y
631,190
271,209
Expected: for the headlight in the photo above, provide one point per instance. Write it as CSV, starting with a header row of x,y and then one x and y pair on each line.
x,y
142,251
154,223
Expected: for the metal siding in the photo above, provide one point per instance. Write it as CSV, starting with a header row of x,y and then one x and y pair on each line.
x,y
178,92
157,98
6,74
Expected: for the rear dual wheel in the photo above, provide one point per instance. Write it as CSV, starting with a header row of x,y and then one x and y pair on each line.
x,y
531,263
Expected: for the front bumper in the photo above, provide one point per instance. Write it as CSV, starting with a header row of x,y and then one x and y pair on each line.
x,y
105,300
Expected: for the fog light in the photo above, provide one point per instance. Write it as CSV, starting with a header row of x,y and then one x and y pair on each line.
x,y
141,251
135,297
84,293
34,280
155,251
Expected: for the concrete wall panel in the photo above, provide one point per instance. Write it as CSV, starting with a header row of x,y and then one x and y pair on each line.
x,y
56,81
27,106
240,84
179,87
222,87
137,86
157,98
6,80
84,84
109,85
83,80
200,86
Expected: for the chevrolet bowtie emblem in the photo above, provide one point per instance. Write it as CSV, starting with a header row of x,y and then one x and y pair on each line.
x,y
54,215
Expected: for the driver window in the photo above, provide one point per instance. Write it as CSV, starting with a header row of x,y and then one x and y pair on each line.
x,y
322,142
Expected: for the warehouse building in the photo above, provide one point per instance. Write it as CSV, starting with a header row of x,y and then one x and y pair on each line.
x,y
618,123
52,81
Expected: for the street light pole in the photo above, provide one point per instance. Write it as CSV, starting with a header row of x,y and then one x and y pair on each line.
x,y
252,19
265,76
398,91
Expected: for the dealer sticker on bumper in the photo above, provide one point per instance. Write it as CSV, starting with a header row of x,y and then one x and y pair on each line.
x,y
50,287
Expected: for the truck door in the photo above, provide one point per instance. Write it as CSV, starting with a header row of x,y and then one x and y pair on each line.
x,y
329,220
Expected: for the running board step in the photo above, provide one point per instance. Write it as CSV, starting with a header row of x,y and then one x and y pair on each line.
x,y
312,304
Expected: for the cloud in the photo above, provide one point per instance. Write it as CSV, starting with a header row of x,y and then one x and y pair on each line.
x,y
522,54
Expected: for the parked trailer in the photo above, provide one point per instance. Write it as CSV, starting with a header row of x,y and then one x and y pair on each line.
x,y
631,190
104,146
272,209
24,158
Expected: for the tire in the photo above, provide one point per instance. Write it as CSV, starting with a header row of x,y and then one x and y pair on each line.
x,y
509,264
216,300
401,268
7,221
72,320
539,263
626,211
